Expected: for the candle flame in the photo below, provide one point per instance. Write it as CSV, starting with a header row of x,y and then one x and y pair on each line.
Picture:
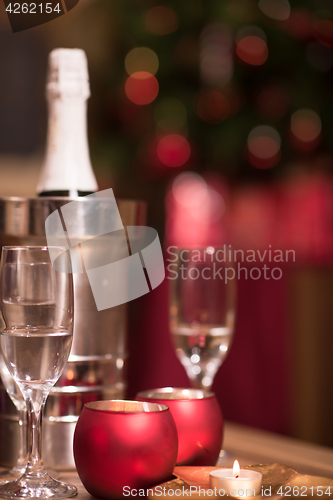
x,y
236,469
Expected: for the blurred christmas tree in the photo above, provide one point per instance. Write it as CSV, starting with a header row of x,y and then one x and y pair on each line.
x,y
240,87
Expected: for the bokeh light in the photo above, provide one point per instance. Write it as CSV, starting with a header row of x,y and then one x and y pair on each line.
x,y
141,59
300,24
161,20
306,126
141,87
275,9
323,32
251,46
212,106
189,189
264,147
173,150
170,115
200,200
216,54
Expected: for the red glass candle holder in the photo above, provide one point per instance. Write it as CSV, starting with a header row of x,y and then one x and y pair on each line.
x,y
124,445
198,419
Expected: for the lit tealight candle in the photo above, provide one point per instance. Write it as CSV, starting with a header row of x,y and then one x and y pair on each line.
x,y
236,482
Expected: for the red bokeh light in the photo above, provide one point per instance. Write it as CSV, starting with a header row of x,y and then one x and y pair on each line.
x,y
161,20
141,87
323,32
304,146
263,163
299,24
173,150
196,210
264,147
213,107
306,129
252,50
263,151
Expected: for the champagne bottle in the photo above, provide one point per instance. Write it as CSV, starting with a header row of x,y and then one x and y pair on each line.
x,y
67,169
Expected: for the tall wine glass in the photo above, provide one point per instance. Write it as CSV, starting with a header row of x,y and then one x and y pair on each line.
x,y
35,339
16,396
202,311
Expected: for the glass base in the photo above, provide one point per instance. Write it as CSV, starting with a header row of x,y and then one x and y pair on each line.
x,y
10,475
16,472
35,486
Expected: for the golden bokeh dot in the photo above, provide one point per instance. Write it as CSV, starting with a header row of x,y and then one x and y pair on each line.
x,y
141,59
305,125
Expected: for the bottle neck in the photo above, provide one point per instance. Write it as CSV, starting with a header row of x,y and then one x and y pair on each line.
x,y
67,166
65,193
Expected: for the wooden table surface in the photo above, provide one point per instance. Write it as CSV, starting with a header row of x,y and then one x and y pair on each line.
x,y
252,446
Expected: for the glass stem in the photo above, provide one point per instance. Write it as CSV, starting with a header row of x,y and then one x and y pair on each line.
x,y
23,438
35,415
196,380
196,383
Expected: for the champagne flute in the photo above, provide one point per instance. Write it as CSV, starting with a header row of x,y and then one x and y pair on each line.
x,y
202,311
36,288
16,396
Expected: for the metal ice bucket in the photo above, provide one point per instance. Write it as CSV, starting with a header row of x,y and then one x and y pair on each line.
x,y
95,369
